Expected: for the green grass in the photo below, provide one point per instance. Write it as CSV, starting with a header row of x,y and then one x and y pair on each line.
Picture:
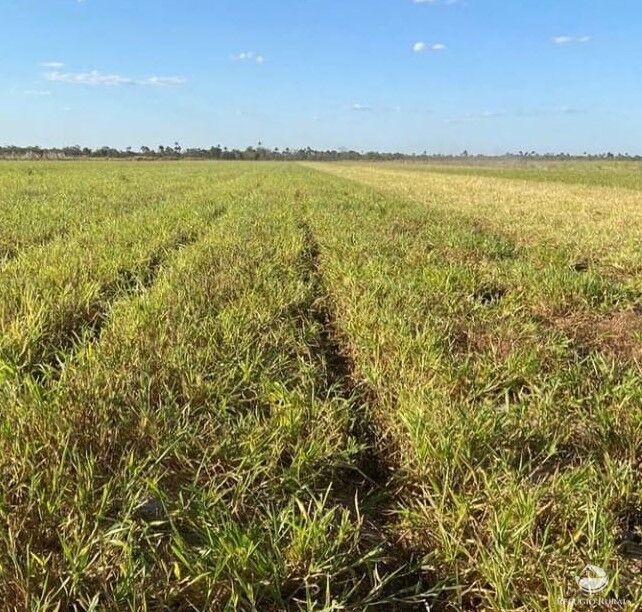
x,y
309,387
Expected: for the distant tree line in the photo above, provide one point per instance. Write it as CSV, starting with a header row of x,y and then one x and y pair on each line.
x,y
260,153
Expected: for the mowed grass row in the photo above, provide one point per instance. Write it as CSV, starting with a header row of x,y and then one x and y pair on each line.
x,y
193,454
515,438
59,295
41,202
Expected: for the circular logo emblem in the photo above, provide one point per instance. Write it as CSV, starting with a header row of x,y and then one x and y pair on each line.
x,y
593,579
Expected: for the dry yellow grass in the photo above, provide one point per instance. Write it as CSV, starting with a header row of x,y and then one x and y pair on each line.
x,y
604,223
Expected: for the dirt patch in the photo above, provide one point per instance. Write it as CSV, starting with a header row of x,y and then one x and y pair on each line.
x,y
617,334
475,339
407,228
581,265
629,541
489,294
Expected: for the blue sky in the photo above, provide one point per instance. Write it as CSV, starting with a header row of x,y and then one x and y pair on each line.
x,y
408,75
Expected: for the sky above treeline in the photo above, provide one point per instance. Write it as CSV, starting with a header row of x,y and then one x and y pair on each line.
x,y
488,76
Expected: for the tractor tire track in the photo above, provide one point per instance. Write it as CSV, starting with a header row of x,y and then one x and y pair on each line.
x,y
366,488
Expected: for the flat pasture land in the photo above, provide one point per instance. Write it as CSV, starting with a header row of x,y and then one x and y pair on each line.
x,y
273,386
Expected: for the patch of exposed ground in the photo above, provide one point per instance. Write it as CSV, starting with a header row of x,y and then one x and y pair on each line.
x,y
617,334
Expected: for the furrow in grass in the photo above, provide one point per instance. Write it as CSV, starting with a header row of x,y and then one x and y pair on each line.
x,y
365,487
369,476
187,457
6,256
128,284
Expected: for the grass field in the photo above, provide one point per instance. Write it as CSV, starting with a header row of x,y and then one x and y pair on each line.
x,y
272,386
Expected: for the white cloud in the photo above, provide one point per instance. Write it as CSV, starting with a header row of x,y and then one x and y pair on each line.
x,y
156,81
37,92
89,78
95,77
361,107
249,56
56,65
567,40
420,47
469,117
